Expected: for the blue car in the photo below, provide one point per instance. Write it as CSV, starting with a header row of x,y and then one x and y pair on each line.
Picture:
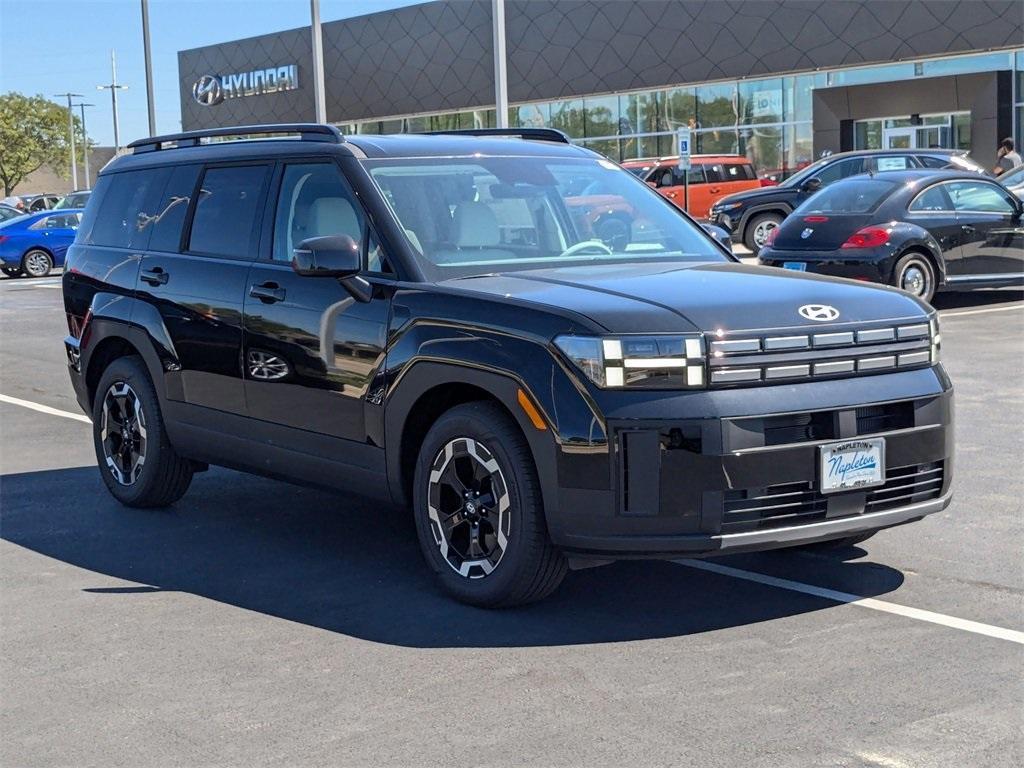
x,y
36,243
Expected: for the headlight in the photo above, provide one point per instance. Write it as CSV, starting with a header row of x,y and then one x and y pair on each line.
x,y
933,327
720,207
638,362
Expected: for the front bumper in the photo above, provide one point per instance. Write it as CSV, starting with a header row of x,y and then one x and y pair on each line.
x,y
745,477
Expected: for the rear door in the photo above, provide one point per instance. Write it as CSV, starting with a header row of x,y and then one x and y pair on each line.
x,y
725,179
57,232
311,350
990,232
672,184
194,276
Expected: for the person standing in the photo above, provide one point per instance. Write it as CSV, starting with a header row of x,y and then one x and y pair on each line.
x,y
1006,157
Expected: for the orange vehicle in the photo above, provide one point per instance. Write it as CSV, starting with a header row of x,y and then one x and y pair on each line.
x,y
711,177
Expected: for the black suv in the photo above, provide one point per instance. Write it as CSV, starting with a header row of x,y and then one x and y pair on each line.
x,y
432,321
751,215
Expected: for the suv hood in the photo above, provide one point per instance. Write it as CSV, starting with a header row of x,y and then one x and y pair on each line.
x,y
751,196
673,298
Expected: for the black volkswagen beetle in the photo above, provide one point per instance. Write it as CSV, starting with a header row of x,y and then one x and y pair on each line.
x,y
918,230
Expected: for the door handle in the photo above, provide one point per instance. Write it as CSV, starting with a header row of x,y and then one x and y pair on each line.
x,y
968,228
714,190
154,276
268,293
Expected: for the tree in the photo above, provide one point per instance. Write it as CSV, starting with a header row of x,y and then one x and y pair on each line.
x,y
33,133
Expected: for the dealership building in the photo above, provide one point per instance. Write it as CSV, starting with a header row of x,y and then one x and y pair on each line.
x,y
780,81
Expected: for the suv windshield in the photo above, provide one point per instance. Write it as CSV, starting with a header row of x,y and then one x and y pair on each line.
x,y
476,215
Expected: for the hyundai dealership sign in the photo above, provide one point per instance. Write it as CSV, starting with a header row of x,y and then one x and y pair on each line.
x,y
209,90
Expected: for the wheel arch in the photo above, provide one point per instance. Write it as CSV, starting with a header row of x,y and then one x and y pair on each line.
x,y
429,389
31,248
781,208
919,240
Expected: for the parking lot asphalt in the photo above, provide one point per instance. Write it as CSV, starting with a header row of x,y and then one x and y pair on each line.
x,y
257,623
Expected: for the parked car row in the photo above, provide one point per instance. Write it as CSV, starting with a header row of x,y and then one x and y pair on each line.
x,y
46,201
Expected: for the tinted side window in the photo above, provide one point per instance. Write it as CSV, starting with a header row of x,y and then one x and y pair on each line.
x,y
225,221
170,212
979,196
928,161
695,174
841,170
126,208
716,172
934,199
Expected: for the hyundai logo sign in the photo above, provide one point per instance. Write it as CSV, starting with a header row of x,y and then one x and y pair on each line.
x,y
210,90
823,313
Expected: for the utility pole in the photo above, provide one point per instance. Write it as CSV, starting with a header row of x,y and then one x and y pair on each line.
x,y
148,54
71,130
85,144
500,69
114,88
320,98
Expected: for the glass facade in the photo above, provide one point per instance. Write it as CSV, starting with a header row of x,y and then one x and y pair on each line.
x,y
767,119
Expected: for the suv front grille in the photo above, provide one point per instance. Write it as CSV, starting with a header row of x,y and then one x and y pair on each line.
x,y
769,357
787,504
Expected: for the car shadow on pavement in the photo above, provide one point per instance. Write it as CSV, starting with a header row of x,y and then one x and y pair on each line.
x,y
351,567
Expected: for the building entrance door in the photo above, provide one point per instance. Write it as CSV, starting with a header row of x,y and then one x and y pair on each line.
x,y
917,137
899,138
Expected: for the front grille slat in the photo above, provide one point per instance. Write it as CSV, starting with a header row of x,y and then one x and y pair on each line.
x,y
744,512
748,358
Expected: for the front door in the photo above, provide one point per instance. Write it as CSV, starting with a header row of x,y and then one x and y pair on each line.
x,y
990,232
899,138
311,349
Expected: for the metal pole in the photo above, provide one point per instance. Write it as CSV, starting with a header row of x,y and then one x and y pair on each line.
x,y
148,53
319,96
500,70
114,88
71,131
85,145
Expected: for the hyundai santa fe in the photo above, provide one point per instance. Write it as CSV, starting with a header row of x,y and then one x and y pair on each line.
x,y
432,321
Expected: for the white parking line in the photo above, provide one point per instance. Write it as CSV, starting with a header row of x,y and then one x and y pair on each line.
x,y
980,311
865,602
44,408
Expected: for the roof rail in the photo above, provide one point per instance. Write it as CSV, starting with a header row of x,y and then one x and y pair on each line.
x,y
306,132
534,134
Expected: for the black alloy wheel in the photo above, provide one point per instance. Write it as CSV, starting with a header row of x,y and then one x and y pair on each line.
x,y
137,462
478,510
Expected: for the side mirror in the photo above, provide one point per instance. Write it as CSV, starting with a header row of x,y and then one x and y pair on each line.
x,y
811,185
335,256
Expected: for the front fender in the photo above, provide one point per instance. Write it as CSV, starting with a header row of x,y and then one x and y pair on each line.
x,y
429,355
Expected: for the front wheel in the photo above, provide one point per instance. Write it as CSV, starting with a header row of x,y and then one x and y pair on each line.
x,y
138,464
758,228
478,510
37,263
915,274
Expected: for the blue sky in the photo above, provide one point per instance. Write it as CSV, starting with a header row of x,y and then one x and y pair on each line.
x,y
55,46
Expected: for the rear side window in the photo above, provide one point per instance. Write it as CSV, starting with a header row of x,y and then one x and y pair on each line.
x,y
170,212
929,161
227,211
840,170
127,208
933,199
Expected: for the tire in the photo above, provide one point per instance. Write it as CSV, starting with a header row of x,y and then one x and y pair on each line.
x,y
161,477
915,274
757,230
36,263
480,440
11,271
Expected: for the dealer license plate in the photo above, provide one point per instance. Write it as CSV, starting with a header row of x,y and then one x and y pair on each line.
x,y
852,464
799,266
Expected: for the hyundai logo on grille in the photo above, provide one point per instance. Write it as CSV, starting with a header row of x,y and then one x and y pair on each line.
x,y
823,313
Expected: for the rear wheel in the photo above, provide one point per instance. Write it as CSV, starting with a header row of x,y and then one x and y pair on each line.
x,y
915,274
138,464
758,228
478,510
36,263
11,271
